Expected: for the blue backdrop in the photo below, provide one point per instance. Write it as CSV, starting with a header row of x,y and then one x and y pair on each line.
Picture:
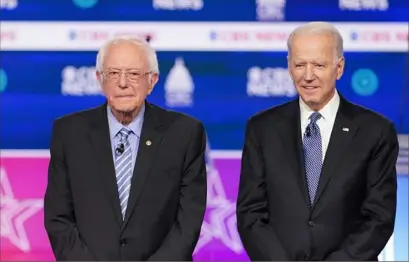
x,y
226,89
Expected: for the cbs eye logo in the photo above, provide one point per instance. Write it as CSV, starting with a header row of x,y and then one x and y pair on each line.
x,y
85,3
365,82
3,80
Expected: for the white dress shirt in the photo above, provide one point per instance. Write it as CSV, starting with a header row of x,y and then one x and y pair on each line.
x,y
325,123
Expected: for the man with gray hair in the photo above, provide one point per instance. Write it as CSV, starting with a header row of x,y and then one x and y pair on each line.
x,y
127,180
318,177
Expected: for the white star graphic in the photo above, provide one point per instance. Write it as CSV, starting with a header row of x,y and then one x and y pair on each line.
x,y
14,213
221,213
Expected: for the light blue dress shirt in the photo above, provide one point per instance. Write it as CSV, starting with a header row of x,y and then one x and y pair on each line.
x,y
135,126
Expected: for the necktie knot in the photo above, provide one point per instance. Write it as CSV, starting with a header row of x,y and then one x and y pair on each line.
x,y
124,133
314,117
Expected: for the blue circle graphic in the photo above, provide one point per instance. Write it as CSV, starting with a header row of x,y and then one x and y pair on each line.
x,y
365,82
354,36
3,80
85,3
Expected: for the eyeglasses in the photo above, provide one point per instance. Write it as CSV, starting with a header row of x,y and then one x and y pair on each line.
x,y
131,75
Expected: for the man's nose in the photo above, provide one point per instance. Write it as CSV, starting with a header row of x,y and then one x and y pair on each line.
x,y
309,74
122,80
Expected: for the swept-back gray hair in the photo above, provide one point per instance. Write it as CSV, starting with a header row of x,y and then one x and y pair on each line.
x,y
319,28
150,52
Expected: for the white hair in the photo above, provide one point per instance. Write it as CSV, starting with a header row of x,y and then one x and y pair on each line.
x,y
150,52
319,28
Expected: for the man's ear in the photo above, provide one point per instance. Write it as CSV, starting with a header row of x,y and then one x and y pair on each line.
x,y
153,81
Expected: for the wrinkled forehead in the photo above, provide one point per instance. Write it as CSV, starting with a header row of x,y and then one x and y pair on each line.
x,y
123,54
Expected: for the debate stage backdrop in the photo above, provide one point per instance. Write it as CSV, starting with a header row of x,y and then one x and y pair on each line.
x,y
220,61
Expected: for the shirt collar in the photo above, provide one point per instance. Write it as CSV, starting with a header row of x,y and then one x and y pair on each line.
x,y
329,111
135,126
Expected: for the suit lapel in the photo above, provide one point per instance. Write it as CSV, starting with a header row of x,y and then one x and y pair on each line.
x,y
149,142
290,129
101,144
342,133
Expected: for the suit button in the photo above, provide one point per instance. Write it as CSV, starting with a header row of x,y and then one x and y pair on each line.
x,y
311,223
122,242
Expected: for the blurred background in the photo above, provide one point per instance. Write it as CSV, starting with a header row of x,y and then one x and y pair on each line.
x,y
220,61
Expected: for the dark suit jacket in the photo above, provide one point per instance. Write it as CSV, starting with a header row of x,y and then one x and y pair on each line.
x,y
167,198
354,211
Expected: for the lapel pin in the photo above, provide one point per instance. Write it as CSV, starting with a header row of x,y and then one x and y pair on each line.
x,y
345,129
148,142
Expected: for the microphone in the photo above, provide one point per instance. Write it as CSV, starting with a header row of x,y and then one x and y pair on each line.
x,y
308,131
120,149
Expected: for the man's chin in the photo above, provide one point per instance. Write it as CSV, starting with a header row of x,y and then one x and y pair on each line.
x,y
310,99
124,108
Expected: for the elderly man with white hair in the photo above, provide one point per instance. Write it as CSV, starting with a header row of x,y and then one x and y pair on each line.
x,y
318,178
127,180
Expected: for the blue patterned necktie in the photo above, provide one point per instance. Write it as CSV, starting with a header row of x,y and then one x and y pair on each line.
x,y
312,145
123,169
